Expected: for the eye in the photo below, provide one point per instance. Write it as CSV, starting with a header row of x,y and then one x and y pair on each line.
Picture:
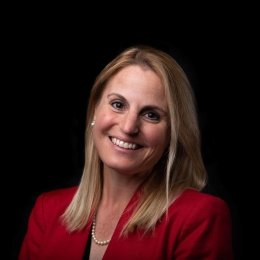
x,y
117,105
153,116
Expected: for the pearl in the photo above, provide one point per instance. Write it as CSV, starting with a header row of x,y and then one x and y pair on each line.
x,y
100,243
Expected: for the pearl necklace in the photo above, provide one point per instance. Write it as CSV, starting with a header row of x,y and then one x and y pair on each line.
x,y
100,243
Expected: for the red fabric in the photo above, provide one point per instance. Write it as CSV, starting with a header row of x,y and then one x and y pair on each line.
x,y
198,227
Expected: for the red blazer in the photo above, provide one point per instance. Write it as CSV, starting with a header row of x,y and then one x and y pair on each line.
x,y
198,227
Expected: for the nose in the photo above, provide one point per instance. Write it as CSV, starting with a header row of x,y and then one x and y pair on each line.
x,y
129,123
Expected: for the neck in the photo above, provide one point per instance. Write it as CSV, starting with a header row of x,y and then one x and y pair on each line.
x,y
118,189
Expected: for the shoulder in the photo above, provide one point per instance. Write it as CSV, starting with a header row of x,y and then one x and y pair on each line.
x,y
58,194
192,197
200,226
195,203
194,213
55,201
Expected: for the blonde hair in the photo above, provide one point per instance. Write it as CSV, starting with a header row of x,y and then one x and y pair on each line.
x,y
180,167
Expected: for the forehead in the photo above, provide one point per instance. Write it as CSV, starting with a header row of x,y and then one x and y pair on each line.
x,y
136,81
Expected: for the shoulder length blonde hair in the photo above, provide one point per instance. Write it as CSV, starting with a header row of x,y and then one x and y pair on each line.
x,y
180,167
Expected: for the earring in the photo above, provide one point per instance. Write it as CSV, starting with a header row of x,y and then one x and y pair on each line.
x,y
93,123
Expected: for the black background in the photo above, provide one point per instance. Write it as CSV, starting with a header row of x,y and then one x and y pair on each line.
x,y
52,61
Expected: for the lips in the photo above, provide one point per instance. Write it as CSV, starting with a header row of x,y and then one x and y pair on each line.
x,y
123,144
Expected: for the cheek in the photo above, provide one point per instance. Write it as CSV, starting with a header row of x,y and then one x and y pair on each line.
x,y
103,121
158,137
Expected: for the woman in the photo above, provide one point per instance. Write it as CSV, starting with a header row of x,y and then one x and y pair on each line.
x,y
140,193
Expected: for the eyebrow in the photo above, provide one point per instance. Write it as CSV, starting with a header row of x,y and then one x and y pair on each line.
x,y
147,107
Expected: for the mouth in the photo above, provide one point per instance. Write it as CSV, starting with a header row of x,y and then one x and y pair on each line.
x,y
123,144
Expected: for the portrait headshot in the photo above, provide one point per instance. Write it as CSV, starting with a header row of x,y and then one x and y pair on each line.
x,y
126,147
141,191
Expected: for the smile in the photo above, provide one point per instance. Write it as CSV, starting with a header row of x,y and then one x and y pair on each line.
x,y
123,144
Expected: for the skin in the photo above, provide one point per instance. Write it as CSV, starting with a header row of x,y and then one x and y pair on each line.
x,y
132,109
131,132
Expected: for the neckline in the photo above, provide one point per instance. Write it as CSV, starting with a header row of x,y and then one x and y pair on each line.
x,y
126,214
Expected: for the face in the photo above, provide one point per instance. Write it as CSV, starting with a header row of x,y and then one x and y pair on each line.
x,y
131,128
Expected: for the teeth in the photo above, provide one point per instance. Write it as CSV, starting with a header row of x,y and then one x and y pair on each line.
x,y
123,144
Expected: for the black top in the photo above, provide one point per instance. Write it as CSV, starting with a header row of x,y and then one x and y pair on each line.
x,y
87,249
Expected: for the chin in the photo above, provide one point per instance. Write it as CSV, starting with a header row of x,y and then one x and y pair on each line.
x,y
123,168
